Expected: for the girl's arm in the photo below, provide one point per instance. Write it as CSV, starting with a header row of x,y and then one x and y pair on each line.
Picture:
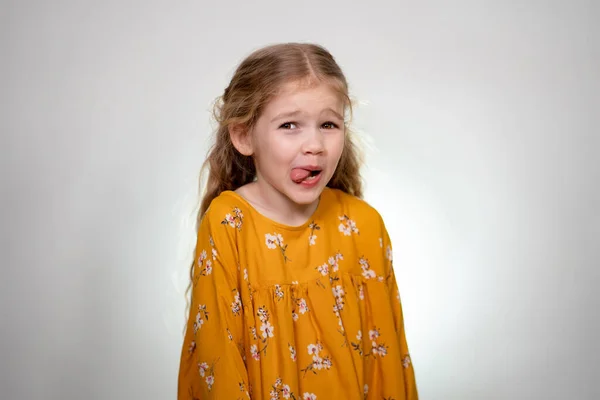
x,y
212,359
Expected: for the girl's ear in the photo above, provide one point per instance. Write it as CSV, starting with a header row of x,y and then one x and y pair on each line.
x,y
241,139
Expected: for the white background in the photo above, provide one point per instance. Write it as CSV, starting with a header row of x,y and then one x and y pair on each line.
x,y
480,121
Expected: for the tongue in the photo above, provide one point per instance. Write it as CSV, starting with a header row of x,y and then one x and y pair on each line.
x,y
299,174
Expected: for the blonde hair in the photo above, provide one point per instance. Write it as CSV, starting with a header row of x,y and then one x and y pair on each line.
x,y
256,80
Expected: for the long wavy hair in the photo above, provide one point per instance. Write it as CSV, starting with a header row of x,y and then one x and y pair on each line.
x,y
256,80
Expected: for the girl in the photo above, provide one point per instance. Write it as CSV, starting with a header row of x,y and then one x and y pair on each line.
x,y
293,294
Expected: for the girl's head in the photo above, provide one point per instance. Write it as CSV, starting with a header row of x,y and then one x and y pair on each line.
x,y
282,123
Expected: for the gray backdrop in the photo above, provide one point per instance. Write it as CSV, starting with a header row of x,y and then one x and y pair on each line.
x,y
480,122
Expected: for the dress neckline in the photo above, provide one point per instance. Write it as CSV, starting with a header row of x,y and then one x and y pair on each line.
x,y
280,225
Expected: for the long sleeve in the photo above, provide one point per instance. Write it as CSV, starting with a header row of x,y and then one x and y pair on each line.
x,y
212,358
410,385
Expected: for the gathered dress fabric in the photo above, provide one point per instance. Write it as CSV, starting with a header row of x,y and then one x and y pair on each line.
x,y
307,312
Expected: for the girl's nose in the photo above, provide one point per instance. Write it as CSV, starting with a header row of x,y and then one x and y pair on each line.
x,y
314,142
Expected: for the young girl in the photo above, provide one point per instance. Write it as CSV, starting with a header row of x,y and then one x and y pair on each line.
x,y
293,294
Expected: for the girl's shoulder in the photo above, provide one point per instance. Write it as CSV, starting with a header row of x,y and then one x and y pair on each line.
x,y
350,204
226,209
354,210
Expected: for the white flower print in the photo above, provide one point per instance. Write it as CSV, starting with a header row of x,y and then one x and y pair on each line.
x,y
267,330
406,361
210,380
254,352
295,316
334,261
253,332
214,253
236,220
338,292
236,306
245,274
292,352
379,349
319,363
302,306
278,292
366,390
202,367
367,272
200,317
323,269
263,314
309,396
348,226
285,391
279,388
205,370
204,265
389,253
192,347
312,238
274,241
202,257
361,292
358,345
373,334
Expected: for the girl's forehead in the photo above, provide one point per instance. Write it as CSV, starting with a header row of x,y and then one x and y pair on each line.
x,y
314,93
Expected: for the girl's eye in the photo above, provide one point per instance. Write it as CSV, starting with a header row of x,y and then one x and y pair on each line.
x,y
329,125
287,125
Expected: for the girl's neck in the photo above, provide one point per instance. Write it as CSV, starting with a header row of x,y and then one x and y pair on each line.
x,y
275,205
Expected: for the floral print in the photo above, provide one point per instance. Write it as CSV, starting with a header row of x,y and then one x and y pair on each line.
x,y
273,320
280,389
236,220
200,317
377,349
278,292
312,238
236,306
207,373
319,362
347,226
357,346
367,272
274,241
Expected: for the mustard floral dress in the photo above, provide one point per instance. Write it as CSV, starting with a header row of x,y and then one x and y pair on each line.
x,y
308,312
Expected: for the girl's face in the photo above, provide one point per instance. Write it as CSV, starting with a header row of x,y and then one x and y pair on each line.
x,y
297,142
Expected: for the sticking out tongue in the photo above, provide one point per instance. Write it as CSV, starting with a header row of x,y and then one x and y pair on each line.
x,y
299,174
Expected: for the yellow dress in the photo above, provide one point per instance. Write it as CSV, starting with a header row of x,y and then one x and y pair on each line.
x,y
308,312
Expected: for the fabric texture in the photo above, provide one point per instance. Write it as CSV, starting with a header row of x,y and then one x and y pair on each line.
x,y
307,312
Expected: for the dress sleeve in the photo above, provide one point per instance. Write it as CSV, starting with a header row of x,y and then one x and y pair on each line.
x,y
407,370
212,362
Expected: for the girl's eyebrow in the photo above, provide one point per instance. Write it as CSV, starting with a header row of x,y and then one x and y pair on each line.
x,y
290,114
295,113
